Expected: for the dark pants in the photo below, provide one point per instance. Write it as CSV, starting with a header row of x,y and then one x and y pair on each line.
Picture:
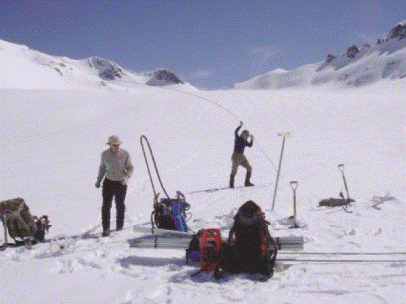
x,y
118,190
239,160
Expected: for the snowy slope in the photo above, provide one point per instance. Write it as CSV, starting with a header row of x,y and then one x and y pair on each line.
x,y
51,144
357,67
24,68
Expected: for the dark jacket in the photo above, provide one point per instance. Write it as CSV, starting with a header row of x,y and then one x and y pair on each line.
x,y
240,143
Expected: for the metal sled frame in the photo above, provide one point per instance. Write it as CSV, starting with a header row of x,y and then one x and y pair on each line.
x,y
180,240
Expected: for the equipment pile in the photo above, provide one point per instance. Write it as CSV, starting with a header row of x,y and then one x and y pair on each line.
x,y
20,224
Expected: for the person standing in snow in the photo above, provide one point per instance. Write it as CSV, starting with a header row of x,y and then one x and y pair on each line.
x,y
116,168
238,158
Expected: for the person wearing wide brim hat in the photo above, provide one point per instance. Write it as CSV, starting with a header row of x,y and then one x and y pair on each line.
x,y
116,168
114,140
238,158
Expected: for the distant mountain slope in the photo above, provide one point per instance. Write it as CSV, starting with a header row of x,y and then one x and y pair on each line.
x,y
357,67
24,68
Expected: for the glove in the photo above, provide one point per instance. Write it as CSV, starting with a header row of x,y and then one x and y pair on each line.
x,y
97,184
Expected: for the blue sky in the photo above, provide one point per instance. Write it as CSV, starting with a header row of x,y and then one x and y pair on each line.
x,y
209,43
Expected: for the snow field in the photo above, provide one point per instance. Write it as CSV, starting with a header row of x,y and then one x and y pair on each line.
x,y
51,145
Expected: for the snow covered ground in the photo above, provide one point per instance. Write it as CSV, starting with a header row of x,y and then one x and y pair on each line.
x,y
51,141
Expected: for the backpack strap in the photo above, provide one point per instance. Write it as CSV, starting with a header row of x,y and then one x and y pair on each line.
x,y
231,234
42,224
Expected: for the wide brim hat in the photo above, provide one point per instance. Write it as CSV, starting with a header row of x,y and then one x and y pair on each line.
x,y
114,140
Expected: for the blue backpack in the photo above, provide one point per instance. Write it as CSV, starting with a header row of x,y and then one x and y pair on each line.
x,y
170,214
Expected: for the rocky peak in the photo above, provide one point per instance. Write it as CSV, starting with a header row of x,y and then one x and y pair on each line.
x,y
398,32
107,69
352,51
163,77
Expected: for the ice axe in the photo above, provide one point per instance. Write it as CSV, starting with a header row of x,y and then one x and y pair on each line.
x,y
341,168
348,199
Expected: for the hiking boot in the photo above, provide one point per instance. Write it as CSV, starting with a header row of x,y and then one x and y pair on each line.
x,y
247,180
232,176
106,232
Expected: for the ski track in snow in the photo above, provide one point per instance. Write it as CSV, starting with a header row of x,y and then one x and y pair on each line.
x,y
51,160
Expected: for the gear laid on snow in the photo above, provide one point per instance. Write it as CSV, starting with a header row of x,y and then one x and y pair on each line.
x,y
334,202
168,213
20,224
249,249
342,201
250,245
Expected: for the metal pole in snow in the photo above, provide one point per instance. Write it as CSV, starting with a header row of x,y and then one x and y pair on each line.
x,y
341,168
293,185
284,135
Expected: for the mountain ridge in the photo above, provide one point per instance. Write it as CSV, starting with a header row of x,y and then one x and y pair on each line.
x,y
356,67
25,68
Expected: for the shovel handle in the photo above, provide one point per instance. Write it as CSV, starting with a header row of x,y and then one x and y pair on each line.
x,y
293,185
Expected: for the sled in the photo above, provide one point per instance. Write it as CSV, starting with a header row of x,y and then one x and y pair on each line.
x,y
162,238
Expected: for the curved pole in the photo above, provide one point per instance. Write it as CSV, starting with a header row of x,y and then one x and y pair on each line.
x,y
143,137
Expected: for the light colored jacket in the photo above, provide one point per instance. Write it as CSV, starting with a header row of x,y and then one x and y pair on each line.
x,y
115,167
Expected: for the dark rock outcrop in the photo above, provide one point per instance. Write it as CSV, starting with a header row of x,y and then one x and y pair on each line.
x,y
107,69
398,32
163,78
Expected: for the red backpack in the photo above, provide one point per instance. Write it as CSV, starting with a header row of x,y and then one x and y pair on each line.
x,y
250,249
